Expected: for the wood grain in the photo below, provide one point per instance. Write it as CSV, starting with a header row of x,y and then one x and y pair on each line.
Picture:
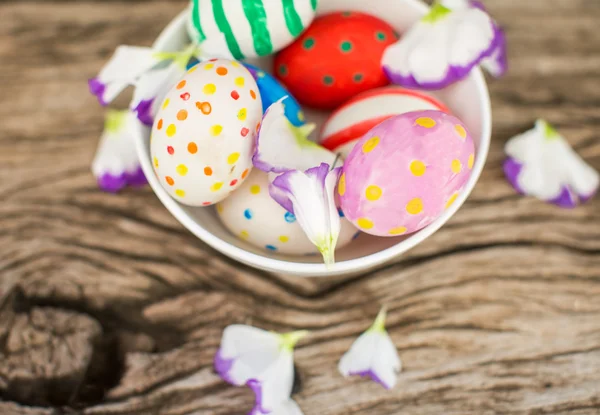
x,y
108,306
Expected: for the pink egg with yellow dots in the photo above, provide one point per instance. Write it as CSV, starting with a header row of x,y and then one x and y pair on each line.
x,y
203,136
405,172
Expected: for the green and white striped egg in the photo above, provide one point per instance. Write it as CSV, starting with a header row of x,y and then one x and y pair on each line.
x,y
251,27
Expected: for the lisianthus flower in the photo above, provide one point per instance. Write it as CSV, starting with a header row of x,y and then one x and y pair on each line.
x,y
262,360
541,163
116,163
373,354
443,48
309,195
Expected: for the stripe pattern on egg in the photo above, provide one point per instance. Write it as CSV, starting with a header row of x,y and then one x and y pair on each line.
x,y
204,133
251,27
355,118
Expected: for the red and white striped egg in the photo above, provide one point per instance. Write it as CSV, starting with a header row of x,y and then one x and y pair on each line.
x,y
355,118
203,135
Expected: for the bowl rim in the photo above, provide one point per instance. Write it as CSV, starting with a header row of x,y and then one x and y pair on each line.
x,y
318,269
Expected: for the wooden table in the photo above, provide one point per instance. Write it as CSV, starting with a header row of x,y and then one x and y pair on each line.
x,y
109,306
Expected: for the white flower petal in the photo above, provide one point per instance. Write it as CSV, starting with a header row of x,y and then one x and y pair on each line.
x,y
151,89
275,384
251,351
442,48
373,354
310,196
260,359
116,163
358,358
542,164
283,147
288,408
125,66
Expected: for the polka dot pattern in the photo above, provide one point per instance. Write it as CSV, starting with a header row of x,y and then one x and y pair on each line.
x,y
400,230
373,193
182,170
209,89
171,130
342,185
415,206
365,223
204,135
370,144
417,168
233,157
413,186
456,166
215,130
425,122
451,200
347,52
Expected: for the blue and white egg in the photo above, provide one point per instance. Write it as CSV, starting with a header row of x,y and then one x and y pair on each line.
x,y
271,91
252,215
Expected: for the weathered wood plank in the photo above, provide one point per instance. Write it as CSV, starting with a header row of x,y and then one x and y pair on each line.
x,y
496,313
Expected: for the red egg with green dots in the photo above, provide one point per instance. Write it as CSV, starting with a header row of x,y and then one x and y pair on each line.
x,y
337,57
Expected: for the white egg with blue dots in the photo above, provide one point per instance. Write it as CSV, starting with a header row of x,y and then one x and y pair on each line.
x,y
252,215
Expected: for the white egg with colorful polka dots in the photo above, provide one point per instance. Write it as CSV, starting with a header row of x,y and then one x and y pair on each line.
x,y
203,136
252,215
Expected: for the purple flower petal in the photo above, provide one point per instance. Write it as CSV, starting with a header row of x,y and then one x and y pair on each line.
x,y
114,183
222,367
97,88
566,199
373,377
256,387
512,169
454,73
144,112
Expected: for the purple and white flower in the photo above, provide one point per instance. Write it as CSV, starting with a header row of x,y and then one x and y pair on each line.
x,y
126,65
443,48
116,164
541,163
309,195
262,360
152,72
283,147
497,63
373,354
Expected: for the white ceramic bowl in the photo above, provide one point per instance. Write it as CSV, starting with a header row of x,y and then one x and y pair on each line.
x,y
468,100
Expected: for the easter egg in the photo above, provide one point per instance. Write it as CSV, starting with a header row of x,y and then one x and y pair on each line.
x,y
405,172
251,27
272,91
203,135
337,57
251,214
346,125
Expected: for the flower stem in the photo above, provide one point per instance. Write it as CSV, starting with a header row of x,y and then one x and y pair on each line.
x,y
379,323
289,340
